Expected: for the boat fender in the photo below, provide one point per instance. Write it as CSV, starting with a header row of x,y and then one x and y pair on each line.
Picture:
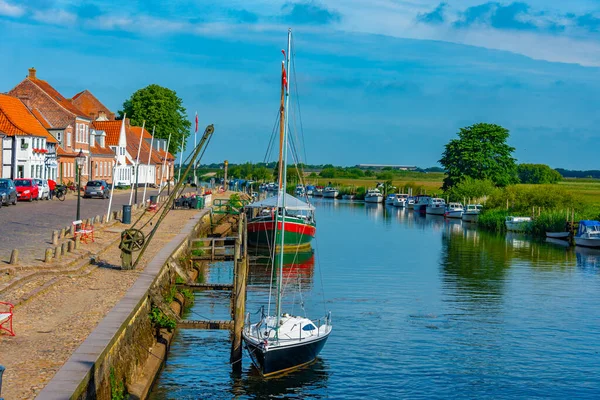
x,y
265,343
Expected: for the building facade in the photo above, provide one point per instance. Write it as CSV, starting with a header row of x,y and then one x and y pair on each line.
x,y
27,147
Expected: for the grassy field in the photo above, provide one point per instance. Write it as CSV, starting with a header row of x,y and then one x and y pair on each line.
x,y
429,182
586,190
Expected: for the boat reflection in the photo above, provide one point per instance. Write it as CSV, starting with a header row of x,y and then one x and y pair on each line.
x,y
588,259
292,385
298,268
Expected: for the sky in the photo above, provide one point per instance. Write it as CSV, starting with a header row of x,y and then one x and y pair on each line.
x,y
378,81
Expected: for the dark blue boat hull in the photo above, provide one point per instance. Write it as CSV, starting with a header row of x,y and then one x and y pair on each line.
x,y
279,360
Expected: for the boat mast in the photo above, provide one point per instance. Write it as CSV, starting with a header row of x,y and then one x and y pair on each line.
x,y
283,182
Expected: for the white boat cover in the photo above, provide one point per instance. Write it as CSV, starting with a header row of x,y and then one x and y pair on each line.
x,y
291,203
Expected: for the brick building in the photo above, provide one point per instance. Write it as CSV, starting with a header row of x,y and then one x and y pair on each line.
x,y
92,107
68,124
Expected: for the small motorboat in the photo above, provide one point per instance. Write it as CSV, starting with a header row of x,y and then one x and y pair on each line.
x,y
436,206
588,234
471,213
373,196
401,200
558,235
330,192
454,210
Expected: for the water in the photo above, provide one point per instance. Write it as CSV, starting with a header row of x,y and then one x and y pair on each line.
x,y
422,308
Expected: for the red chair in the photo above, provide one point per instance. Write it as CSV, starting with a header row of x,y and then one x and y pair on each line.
x,y
6,317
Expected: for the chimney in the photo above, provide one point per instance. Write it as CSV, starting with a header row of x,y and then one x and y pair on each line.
x,y
32,73
102,116
92,116
111,116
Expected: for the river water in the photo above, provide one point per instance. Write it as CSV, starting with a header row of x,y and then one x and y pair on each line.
x,y
422,308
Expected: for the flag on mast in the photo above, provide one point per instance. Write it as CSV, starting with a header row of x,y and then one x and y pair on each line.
x,y
195,144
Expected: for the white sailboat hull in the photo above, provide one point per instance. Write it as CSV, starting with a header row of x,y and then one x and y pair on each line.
x,y
558,235
330,194
374,199
454,214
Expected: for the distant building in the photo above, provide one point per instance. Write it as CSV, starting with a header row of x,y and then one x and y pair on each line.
x,y
382,166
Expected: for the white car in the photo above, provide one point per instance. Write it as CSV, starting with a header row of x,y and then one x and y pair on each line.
x,y
44,189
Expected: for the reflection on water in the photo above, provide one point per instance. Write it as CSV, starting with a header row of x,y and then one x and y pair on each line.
x,y
423,307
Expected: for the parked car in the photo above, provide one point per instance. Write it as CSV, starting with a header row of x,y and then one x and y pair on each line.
x,y
43,189
26,189
97,189
8,192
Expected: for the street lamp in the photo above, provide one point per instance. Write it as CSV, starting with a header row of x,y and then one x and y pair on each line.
x,y
80,159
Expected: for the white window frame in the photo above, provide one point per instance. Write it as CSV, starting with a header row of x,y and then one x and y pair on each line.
x,y
68,134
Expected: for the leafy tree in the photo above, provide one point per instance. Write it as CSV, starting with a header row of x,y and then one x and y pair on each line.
x,y
160,108
538,174
480,153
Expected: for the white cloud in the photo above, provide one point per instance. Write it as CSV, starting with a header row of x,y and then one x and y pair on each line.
x,y
10,10
54,17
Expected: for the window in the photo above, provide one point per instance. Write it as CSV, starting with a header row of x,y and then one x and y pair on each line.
x,y
59,137
68,134
92,139
96,169
87,134
23,144
32,171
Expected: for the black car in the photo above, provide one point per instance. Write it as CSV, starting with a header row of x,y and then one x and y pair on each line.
x,y
97,189
8,192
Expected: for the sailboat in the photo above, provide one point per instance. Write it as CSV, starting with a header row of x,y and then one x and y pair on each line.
x,y
282,342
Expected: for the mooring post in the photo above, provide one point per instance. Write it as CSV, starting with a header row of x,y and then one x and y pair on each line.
x,y
240,304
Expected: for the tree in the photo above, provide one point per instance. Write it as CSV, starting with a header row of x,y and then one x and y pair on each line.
x,y
160,108
480,153
471,188
538,174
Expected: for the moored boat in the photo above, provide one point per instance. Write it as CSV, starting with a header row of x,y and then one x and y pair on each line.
x,y
517,224
421,203
309,190
330,192
389,200
373,196
400,200
471,213
588,234
410,203
300,191
318,191
454,210
436,206
558,235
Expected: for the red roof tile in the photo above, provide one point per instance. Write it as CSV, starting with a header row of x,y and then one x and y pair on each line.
x,y
41,118
90,105
57,97
102,151
16,119
112,129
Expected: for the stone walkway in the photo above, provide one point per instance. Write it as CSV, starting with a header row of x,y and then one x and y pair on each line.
x,y
51,324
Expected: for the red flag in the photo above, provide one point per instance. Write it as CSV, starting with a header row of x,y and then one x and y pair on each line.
x,y
196,122
283,76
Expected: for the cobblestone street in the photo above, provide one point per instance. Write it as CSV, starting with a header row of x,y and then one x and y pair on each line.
x,y
28,226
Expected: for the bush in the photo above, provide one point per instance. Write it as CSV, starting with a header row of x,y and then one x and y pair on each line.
x,y
160,320
470,188
189,297
493,220
548,221
521,198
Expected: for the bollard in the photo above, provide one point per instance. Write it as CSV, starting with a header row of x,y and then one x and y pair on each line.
x,y
63,249
14,256
48,255
57,254
97,219
76,242
54,238
70,246
104,218
62,233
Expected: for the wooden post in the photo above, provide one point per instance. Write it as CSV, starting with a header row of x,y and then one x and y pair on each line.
x,y
70,246
507,204
14,256
54,238
240,304
49,254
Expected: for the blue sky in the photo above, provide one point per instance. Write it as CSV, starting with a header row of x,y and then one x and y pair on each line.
x,y
380,81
